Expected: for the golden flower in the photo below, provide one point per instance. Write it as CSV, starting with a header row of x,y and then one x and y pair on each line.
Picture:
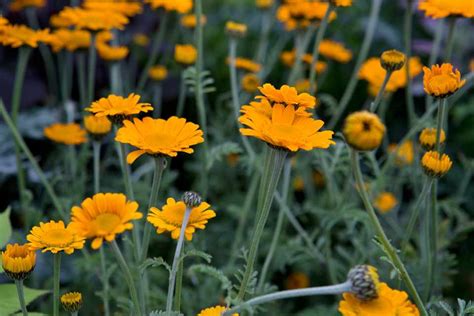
x,y
296,280
250,82
190,20
125,7
235,29
21,35
111,53
442,81
404,153
98,127
185,54
93,20
334,50
159,137
427,138
264,4
302,86
300,14
443,8
158,72
374,74
363,130
388,302
18,5
55,237
298,184
68,134
246,64
288,96
170,218
392,60
103,217
214,311
117,108
434,165
141,39
70,40
71,301
181,6
342,3
284,126
18,261
385,202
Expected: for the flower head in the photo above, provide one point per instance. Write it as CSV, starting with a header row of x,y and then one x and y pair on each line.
x,y
404,153
18,5
388,302
158,72
159,137
97,127
246,64
214,311
111,53
93,20
68,134
125,7
235,29
364,281
427,138
170,218
296,280
54,237
71,301
442,81
21,35
335,51
70,40
341,3
250,82
185,54
181,6
301,14
385,202
438,9
190,20
436,165
104,216
264,4
117,108
288,96
392,60
363,130
18,261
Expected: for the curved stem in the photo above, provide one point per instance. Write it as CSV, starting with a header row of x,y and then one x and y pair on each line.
x,y
21,296
128,276
407,32
369,34
96,157
91,69
382,238
378,98
177,254
105,282
56,277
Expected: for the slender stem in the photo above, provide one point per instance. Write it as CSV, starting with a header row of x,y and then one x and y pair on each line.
x,y
312,291
450,39
382,238
435,48
105,282
315,57
155,49
128,276
432,240
274,161
265,31
72,160
81,73
407,34
115,78
440,123
96,157
91,70
21,296
369,34
177,254
378,98
157,99
56,277
301,43
182,95
160,165
179,285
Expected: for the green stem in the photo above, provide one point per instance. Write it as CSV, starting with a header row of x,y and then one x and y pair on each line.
x,y
96,157
369,34
440,123
91,69
81,73
128,276
56,277
177,254
115,78
265,31
182,95
312,291
301,43
315,57
378,98
450,39
434,54
72,160
105,282
382,238
21,296
432,240
274,161
407,34
157,99
179,285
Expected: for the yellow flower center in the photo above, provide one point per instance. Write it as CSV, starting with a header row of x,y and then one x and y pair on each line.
x,y
106,222
57,238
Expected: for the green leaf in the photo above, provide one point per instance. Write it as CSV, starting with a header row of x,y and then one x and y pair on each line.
x,y
153,263
5,227
10,303
196,253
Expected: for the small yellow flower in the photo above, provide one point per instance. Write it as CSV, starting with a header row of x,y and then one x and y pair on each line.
x,y
392,60
427,138
434,165
104,216
180,6
118,108
158,72
21,35
264,4
296,280
235,29
301,14
18,5
385,202
363,130
71,301
438,9
159,137
68,134
141,39
442,81
335,51
97,127
18,261
185,54
111,53
93,20
342,3
250,83
214,311
170,218
288,96
404,152
54,237
190,21
125,7
70,40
